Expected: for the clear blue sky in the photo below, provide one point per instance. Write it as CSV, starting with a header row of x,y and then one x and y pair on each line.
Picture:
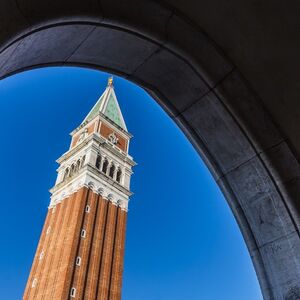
x,y
182,239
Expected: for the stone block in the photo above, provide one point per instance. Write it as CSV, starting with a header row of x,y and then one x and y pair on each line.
x,y
175,80
248,111
262,205
250,181
281,162
42,47
283,256
113,49
219,132
164,103
268,219
262,275
239,214
291,193
200,147
5,57
284,168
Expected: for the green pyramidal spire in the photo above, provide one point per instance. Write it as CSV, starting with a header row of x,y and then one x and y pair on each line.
x,y
109,106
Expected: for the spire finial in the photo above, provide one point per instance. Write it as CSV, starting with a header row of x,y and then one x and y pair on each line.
x,y
110,81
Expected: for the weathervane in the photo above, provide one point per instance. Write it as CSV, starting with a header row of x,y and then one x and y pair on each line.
x,y
110,80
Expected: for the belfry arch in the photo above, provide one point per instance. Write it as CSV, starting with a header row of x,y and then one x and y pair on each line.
x,y
202,91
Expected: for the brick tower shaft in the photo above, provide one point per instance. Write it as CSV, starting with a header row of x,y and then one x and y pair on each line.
x,y
80,254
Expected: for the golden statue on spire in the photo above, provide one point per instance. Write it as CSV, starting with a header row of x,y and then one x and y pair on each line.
x,y
110,81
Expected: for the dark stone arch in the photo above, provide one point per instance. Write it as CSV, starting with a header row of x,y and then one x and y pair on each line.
x,y
202,92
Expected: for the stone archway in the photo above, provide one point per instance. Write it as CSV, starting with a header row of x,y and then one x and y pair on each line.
x,y
157,48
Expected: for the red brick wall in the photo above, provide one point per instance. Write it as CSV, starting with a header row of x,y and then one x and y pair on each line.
x,y
90,128
100,274
105,131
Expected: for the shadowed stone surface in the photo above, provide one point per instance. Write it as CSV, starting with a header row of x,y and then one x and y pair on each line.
x,y
163,69
202,54
220,133
101,49
249,139
254,118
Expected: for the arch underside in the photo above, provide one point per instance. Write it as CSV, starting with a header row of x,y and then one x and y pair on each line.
x,y
201,90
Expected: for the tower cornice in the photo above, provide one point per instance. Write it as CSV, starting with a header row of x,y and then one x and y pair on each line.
x,y
99,141
92,170
112,192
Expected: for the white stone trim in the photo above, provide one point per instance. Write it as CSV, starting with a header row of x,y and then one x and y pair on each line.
x,y
97,184
89,176
73,292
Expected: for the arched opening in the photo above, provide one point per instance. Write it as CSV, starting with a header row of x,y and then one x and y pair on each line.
x,y
112,170
105,166
119,175
98,161
66,173
72,170
206,96
77,165
168,193
82,161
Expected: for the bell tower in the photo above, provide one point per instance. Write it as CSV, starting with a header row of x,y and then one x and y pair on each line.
x,y
81,249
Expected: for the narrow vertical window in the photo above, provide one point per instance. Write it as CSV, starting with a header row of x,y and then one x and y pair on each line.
x,y
34,282
98,161
119,174
83,233
48,230
105,166
78,261
72,170
66,174
41,255
78,165
73,292
82,161
112,171
87,209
